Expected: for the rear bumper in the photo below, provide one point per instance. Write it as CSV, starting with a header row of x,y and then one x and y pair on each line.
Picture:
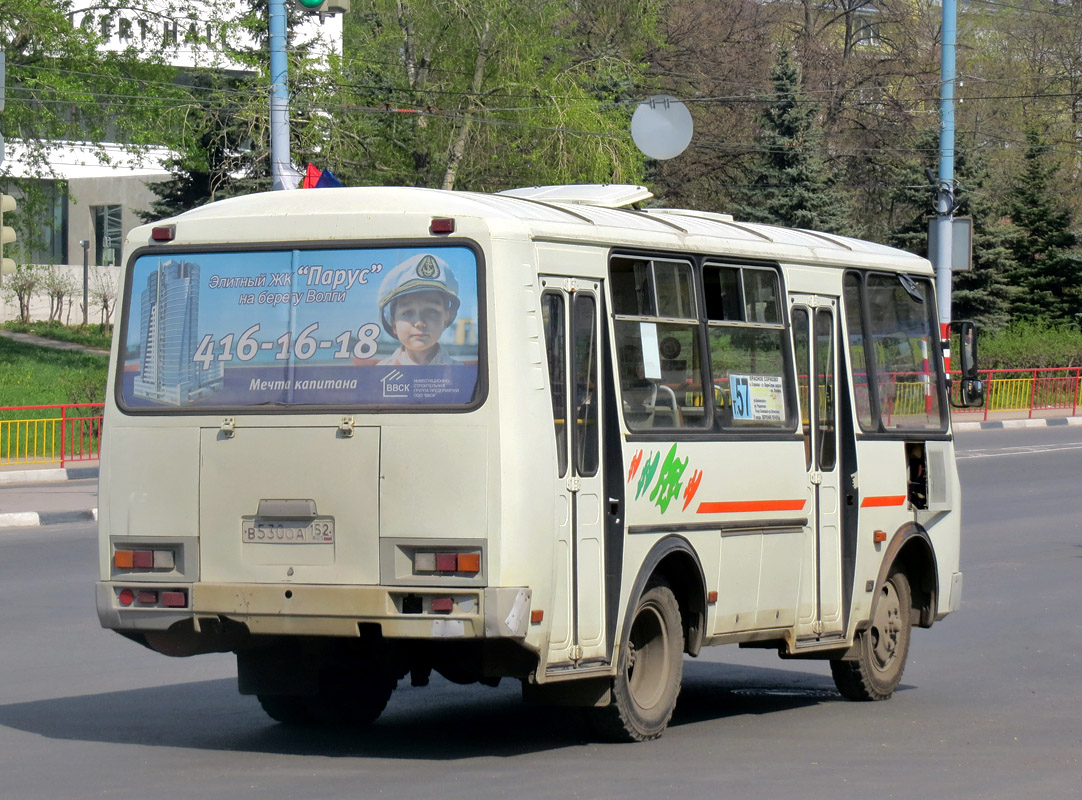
x,y
315,610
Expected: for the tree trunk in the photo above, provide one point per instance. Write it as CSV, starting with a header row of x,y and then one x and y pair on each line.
x,y
463,132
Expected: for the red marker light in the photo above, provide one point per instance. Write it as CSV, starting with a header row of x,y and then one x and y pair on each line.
x,y
143,559
174,599
163,233
442,225
126,597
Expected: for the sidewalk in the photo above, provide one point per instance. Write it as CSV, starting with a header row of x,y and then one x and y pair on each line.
x,y
999,424
69,503
27,338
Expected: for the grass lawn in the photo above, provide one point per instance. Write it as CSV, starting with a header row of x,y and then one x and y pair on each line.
x,y
32,376
97,336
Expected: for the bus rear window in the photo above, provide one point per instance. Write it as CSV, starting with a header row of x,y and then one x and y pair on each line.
x,y
281,328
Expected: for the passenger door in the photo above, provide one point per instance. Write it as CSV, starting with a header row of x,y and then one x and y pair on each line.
x,y
815,340
570,314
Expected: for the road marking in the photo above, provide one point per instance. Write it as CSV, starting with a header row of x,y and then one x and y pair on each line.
x,y
1021,450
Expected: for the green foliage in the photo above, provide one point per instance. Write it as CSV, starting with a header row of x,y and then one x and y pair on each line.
x,y
31,376
96,336
1048,268
982,294
1031,345
62,87
216,160
792,184
485,95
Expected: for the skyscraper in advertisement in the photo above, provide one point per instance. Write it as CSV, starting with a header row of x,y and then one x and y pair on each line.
x,y
169,332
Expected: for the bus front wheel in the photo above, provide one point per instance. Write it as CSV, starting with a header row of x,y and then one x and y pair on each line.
x,y
650,667
882,647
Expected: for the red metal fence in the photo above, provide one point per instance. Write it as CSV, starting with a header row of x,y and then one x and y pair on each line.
x,y
1015,391
50,434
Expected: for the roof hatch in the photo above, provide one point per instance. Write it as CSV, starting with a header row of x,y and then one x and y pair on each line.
x,y
604,195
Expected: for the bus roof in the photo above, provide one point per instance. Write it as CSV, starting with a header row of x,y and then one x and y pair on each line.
x,y
565,214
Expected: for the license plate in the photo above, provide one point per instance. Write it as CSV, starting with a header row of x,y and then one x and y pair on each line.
x,y
261,530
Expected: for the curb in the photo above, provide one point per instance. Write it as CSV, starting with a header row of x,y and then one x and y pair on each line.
x,y
47,475
34,519
1044,422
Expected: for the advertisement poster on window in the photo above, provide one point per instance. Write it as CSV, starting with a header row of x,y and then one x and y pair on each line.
x,y
329,327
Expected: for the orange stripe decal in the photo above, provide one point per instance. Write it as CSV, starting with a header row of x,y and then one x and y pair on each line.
x,y
749,506
885,500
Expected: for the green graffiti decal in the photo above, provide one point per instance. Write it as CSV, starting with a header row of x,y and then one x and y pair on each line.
x,y
668,483
649,467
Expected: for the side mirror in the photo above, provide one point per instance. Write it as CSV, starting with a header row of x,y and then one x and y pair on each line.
x,y
971,390
967,335
971,393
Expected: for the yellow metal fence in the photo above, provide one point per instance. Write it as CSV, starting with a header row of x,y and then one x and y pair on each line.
x,y
50,434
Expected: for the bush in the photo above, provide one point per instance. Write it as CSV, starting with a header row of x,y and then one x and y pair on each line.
x,y
1029,345
98,336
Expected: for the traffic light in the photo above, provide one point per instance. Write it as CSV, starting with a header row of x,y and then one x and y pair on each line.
x,y
323,6
7,234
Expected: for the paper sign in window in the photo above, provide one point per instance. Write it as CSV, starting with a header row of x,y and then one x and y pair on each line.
x,y
757,398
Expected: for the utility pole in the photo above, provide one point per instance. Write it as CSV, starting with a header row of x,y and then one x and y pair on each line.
x,y
944,205
279,101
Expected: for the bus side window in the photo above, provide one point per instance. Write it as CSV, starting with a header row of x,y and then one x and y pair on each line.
x,y
746,339
801,351
658,344
552,315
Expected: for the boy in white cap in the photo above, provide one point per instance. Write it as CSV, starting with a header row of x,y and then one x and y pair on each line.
x,y
417,300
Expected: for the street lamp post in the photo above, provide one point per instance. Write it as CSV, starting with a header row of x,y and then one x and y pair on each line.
x,y
85,243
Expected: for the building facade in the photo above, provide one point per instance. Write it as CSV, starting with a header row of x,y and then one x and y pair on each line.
x,y
96,191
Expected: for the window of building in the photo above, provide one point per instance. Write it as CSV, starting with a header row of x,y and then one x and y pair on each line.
x,y
108,235
48,242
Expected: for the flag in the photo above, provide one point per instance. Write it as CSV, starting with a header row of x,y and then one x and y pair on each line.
x,y
327,180
311,177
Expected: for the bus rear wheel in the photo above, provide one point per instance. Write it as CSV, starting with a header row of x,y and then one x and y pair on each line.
x,y
344,700
882,647
647,682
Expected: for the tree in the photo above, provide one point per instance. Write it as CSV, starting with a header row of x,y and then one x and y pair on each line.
x,y
103,290
216,157
792,185
482,95
711,49
982,294
21,286
1048,271
59,285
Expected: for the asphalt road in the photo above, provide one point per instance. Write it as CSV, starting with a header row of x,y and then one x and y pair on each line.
x,y
990,706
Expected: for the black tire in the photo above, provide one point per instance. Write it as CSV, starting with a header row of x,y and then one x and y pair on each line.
x,y
289,709
344,700
650,667
882,647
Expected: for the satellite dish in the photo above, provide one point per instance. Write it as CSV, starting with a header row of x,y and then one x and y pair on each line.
x,y
661,127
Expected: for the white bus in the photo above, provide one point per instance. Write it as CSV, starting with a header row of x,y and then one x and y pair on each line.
x,y
546,435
